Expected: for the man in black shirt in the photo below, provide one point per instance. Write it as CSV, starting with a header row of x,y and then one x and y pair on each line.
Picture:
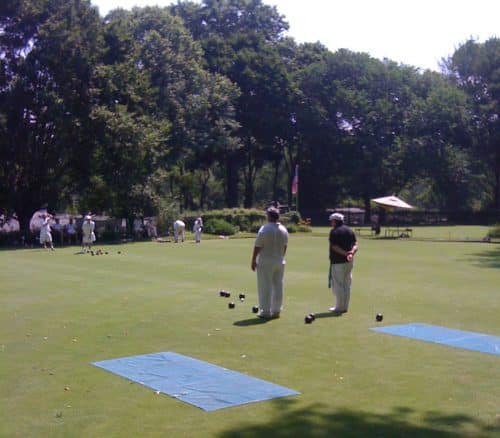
x,y
343,246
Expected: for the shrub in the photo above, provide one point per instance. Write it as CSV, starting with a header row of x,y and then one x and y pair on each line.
x,y
218,227
241,218
304,229
294,228
495,232
292,217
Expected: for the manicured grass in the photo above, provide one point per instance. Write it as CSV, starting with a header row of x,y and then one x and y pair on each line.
x,y
60,311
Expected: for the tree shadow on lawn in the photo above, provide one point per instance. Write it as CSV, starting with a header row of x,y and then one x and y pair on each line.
x,y
488,259
316,421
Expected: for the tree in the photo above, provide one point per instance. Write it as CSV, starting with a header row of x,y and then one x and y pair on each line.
x,y
240,38
475,68
161,113
46,138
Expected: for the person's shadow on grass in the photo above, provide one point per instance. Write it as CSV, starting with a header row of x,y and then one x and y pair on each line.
x,y
257,321
327,315
251,321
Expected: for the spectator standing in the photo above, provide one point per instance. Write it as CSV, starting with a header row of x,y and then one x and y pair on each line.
x,y
58,230
138,228
71,231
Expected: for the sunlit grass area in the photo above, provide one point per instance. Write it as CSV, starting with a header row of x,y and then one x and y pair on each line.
x,y
60,311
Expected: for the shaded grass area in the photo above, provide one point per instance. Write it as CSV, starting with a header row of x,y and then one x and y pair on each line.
x,y
60,311
317,421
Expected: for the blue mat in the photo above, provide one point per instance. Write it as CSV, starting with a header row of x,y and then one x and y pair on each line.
x,y
445,336
193,381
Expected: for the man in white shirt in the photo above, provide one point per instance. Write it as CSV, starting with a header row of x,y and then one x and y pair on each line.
x,y
88,235
45,232
268,259
179,230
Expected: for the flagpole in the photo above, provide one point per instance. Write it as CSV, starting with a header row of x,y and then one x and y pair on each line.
x,y
296,178
297,194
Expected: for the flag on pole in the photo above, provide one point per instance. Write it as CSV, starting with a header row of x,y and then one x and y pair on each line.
x,y
295,181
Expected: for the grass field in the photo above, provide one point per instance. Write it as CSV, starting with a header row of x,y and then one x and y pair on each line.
x,y
60,311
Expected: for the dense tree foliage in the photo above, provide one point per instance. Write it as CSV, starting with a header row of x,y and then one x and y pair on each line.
x,y
475,68
207,105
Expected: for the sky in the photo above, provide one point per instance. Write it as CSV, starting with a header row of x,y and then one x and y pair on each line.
x,y
413,32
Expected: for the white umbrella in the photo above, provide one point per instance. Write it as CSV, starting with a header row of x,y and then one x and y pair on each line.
x,y
36,221
392,202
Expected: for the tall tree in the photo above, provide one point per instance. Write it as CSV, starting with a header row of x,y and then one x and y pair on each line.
x,y
475,68
48,52
240,38
160,110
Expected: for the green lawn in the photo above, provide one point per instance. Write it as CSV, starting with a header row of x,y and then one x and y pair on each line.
x,y
59,311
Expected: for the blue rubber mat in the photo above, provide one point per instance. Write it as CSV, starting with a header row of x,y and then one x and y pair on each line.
x,y
441,335
193,381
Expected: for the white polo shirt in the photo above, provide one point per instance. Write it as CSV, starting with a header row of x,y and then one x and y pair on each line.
x,y
272,239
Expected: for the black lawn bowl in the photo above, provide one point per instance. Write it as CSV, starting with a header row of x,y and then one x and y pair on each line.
x,y
308,319
242,296
231,305
255,309
379,317
313,316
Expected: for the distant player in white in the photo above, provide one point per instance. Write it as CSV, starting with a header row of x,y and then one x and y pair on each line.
x,y
268,259
88,235
197,227
179,230
45,232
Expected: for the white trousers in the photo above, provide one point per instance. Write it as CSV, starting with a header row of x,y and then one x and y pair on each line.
x,y
341,284
270,287
197,236
179,232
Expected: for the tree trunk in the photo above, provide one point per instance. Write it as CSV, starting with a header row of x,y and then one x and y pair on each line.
x,y
249,189
275,179
204,178
231,181
497,189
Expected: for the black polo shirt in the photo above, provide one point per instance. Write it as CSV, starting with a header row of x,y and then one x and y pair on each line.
x,y
344,237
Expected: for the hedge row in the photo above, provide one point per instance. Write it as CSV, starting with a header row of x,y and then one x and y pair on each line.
x,y
230,221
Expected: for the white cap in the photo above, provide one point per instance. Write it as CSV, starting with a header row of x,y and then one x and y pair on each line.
x,y
337,217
